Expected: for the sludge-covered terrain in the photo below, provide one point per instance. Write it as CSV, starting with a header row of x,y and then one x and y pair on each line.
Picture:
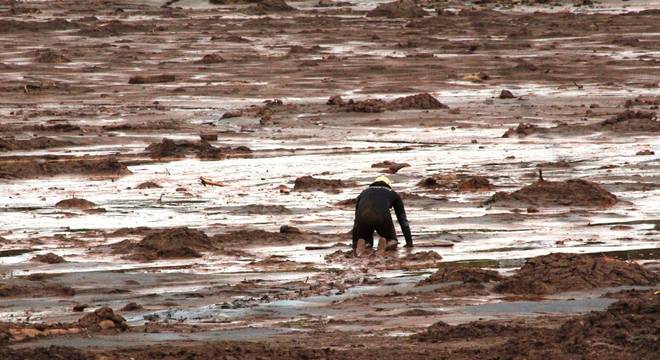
x,y
177,180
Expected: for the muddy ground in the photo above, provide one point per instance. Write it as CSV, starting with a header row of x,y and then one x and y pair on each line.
x,y
177,179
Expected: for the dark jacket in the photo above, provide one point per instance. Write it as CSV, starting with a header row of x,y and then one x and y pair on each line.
x,y
374,204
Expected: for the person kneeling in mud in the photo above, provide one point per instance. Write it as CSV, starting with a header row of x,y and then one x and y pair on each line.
x,y
372,213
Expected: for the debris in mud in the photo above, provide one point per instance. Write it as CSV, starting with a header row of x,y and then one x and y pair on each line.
x,y
59,127
79,307
423,256
645,152
41,142
148,185
49,258
18,332
506,94
474,183
442,331
179,242
450,273
103,319
257,209
270,6
559,272
574,192
151,79
391,166
653,101
239,238
309,183
75,203
169,148
422,101
398,9
34,168
210,59
629,121
132,306
49,56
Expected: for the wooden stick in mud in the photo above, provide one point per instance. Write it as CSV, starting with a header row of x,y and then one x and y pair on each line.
x,y
206,181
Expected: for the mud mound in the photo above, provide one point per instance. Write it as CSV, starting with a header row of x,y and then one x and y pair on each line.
x,y
571,272
33,168
421,101
171,243
22,288
49,56
168,148
309,183
442,331
642,100
49,258
110,28
151,79
103,319
523,129
47,353
75,203
252,236
390,166
423,256
466,275
474,183
270,6
41,142
398,9
258,209
631,121
210,59
148,185
558,193
365,106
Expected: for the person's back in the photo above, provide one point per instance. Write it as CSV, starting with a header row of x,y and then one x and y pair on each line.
x,y
372,213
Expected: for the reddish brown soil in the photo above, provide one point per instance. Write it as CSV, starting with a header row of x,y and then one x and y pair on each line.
x,y
151,79
571,272
103,319
270,6
390,166
148,185
50,56
309,183
398,9
23,288
262,209
474,183
41,142
464,274
168,148
558,193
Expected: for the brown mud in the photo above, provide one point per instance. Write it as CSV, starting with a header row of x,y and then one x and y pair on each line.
x,y
558,193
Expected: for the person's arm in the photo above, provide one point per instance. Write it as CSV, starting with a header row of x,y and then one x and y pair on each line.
x,y
400,212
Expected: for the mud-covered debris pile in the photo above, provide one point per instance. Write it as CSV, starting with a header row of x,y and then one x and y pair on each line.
x,y
421,101
33,168
210,59
49,258
26,288
442,331
456,182
642,100
555,273
103,319
390,166
17,332
238,238
398,9
50,56
449,273
259,209
575,192
41,142
169,148
309,183
270,6
148,185
170,243
75,203
474,183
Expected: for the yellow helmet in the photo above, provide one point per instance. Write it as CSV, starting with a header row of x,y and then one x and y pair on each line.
x,y
384,179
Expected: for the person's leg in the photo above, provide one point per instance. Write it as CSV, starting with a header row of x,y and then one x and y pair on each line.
x,y
386,229
363,231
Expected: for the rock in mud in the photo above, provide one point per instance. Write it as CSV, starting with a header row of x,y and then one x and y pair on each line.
x,y
449,273
398,9
423,101
132,306
49,258
288,229
506,94
575,192
167,244
75,203
148,185
557,272
49,56
33,168
41,142
309,183
391,166
103,319
151,79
